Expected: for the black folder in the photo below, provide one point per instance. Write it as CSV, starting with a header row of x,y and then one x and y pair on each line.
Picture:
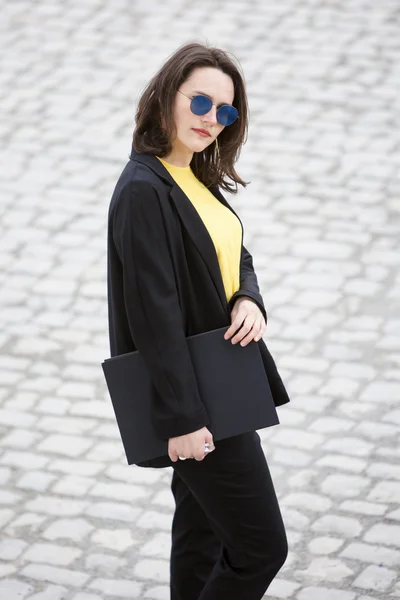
x,y
232,383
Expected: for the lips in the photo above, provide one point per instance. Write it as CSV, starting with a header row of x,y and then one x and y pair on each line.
x,y
202,132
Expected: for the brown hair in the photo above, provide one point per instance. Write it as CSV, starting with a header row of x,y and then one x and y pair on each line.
x,y
156,106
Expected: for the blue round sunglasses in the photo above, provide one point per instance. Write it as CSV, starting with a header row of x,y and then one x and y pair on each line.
x,y
201,105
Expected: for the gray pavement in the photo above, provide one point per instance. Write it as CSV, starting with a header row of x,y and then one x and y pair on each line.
x,y
322,219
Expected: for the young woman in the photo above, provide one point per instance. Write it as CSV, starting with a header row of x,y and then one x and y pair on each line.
x,y
177,267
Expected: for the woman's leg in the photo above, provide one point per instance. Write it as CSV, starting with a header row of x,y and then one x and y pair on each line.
x,y
234,488
195,547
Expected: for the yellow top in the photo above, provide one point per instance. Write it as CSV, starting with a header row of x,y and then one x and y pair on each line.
x,y
223,226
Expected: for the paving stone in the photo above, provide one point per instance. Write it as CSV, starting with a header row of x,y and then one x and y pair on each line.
x,y
381,391
26,521
52,592
72,529
159,546
76,467
7,569
372,554
117,539
325,545
344,463
159,592
134,474
294,518
347,445
5,474
344,526
383,533
113,511
154,520
308,502
10,548
35,480
292,457
65,444
327,569
20,438
365,508
16,418
52,554
43,572
385,491
56,506
314,593
13,588
9,497
375,578
73,485
85,596
331,424
6,515
347,486
118,491
282,588
302,440
395,515
155,570
100,562
376,431
117,587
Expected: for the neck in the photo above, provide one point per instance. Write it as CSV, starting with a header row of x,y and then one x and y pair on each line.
x,y
180,156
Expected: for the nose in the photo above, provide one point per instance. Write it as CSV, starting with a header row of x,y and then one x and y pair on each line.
x,y
211,116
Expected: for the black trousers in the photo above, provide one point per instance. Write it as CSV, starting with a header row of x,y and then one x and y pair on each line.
x,y
228,537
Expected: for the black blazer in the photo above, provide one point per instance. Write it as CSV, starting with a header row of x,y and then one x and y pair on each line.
x,y
164,284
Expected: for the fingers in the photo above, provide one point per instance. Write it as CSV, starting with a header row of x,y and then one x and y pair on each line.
x,y
198,455
248,322
173,456
172,451
235,325
194,445
251,329
261,330
254,334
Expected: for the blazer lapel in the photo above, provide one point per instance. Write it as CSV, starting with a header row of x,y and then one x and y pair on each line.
x,y
200,237
192,222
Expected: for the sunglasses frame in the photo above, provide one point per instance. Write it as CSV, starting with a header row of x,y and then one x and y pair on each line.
x,y
191,98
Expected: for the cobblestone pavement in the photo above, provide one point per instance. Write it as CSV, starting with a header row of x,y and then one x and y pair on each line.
x,y
322,219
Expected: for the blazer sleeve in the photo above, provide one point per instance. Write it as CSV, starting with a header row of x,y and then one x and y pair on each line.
x,y
248,279
248,283
153,310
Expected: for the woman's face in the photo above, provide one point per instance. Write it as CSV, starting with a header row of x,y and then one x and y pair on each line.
x,y
210,82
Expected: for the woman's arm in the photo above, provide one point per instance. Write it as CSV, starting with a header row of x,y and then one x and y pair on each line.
x,y
153,310
248,279
248,283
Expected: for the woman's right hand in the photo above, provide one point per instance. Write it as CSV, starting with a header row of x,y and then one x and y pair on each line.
x,y
190,445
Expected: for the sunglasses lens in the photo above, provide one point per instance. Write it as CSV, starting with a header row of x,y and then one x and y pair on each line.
x,y
200,105
226,115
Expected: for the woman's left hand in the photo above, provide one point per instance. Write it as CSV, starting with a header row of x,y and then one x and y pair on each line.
x,y
247,312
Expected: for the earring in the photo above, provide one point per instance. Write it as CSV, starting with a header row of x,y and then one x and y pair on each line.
x,y
217,147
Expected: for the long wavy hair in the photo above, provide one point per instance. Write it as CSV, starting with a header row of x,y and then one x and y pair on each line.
x,y
155,126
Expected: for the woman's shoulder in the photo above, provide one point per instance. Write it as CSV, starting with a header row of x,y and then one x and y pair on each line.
x,y
136,184
138,174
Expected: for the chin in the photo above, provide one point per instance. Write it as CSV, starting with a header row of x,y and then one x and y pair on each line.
x,y
200,145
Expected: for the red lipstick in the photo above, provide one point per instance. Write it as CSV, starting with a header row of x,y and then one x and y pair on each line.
x,y
202,132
